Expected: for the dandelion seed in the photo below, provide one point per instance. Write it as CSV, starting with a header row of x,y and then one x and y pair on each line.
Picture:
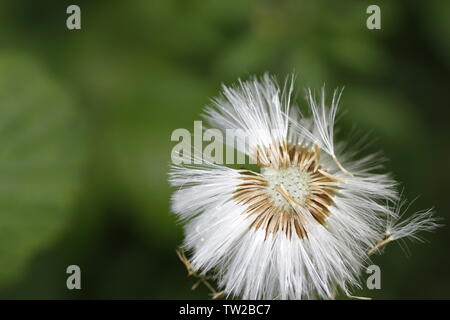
x,y
305,223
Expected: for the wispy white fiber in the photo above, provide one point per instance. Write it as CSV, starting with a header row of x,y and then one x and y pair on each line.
x,y
323,117
259,109
410,227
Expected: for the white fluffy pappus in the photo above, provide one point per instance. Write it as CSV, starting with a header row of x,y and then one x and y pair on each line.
x,y
305,224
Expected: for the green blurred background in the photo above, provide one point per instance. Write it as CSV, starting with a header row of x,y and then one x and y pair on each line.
x,y
86,118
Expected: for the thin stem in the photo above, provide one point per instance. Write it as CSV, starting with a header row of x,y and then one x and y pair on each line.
x,y
341,167
359,298
201,278
379,244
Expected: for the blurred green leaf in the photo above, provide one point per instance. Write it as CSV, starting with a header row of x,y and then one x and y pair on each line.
x,y
41,147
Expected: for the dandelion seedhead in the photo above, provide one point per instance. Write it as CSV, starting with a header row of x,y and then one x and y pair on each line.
x,y
303,224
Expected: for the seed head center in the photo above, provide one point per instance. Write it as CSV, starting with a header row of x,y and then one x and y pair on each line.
x,y
287,182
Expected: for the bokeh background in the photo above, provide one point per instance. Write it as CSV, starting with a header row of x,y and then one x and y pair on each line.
x,y
86,118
